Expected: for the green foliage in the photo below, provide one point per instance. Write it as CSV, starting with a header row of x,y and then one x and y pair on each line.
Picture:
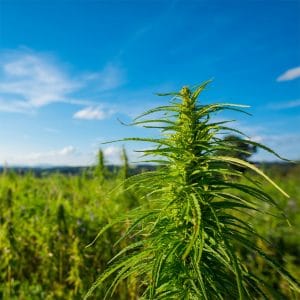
x,y
284,236
100,170
124,171
46,224
31,234
187,241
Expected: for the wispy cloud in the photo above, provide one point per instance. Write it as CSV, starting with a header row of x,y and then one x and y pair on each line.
x,y
290,74
93,113
29,80
109,78
56,153
282,139
51,130
155,24
285,144
286,105
112,154
63,156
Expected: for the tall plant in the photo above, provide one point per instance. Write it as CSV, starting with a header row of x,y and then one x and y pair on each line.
x,y
100,169
124,171
184,241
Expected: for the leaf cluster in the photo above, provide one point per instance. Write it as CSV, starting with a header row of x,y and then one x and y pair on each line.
x,y
183,243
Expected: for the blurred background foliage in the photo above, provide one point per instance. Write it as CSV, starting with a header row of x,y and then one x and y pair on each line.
x,y
47,220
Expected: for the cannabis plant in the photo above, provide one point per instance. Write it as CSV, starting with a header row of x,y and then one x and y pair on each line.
x,y
100,170
186,242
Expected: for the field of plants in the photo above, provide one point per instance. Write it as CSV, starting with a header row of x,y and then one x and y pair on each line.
x,y
181,231
47,222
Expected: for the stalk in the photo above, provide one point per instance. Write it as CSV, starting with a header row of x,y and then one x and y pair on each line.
x,y
186,240
125,167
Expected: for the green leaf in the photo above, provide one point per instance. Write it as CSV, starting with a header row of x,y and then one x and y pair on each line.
x,y
250,166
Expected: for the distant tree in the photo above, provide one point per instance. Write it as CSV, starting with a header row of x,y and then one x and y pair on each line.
x,y
125,165
100,167
100,164
239,148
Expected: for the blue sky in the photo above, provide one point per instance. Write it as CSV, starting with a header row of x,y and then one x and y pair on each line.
x,y
69,69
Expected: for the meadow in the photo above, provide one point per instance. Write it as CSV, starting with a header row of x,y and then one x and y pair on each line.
x,y
47,222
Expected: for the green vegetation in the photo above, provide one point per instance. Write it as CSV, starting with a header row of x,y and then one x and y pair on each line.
x,y
44,257
194,228
45,225
187,241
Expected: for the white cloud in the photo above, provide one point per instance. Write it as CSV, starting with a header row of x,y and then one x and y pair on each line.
x,y
112,154
285,105
93,113
64,156
51,154
290,74
29,80
109,78
66,151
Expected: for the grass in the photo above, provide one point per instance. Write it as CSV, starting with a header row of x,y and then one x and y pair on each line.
x,y
45,225
31,252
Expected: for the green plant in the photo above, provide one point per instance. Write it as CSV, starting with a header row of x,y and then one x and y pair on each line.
x,y
100,169
46,222
185,243
124,171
